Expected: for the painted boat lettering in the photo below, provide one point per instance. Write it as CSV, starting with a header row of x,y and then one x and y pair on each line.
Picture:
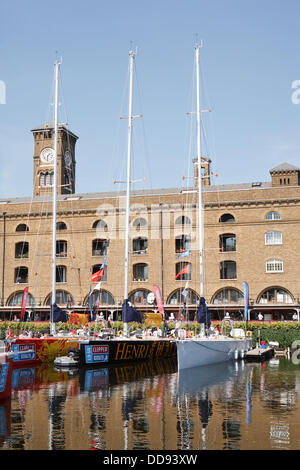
x,y
125,351
23,352
103,349
96,353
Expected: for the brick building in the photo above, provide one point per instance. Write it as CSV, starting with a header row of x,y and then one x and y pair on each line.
x,y
251,235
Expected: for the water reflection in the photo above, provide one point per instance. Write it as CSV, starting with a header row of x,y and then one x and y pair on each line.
x,y
199,387
152,406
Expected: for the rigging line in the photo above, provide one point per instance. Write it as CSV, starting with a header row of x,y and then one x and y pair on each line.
x,y
203,80
40,248
142,124
222,230
122,167
217,260
25,238
72,171
119,169
45,198
71,177
50,99
191,196
187,196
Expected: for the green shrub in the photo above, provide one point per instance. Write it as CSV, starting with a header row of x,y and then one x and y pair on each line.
x,y
285,333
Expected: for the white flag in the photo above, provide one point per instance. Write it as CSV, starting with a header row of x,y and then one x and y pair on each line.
x,y
97,286
185,290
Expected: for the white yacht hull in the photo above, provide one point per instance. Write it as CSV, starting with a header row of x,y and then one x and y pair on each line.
x,y
204,351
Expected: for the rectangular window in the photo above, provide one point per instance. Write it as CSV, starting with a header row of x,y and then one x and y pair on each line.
x,y
273,238
274,266
61,249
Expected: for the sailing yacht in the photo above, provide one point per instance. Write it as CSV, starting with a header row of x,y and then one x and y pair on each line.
x,y
27,350
123,348
207,349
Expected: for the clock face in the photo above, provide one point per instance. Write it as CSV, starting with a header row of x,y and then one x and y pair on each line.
x,y
47,155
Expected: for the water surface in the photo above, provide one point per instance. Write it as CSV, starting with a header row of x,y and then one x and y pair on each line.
x,y
152,406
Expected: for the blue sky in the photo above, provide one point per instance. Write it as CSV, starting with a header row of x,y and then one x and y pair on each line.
x,y
249,59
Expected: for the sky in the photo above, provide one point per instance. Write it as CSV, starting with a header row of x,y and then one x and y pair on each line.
x,y
250,58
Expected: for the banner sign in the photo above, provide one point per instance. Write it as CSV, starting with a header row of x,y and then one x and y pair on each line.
x,y
96,353
24,301
23,352
159,301
246,299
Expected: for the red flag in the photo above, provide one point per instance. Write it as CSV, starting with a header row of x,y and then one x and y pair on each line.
x,y
185,270
96,276
24,300
159,301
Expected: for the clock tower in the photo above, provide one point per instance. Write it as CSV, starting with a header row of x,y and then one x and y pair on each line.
x,y
43,160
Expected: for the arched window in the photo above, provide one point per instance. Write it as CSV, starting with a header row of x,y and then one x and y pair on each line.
x,y
62,298
183,220
100,225
16,299
22,228
272,216
139,297
140,272
22,250
274,266
180,296
99,247
228,296
140,246
183,271
139,224
226,218
97,268
46,179
61,274
182,243
61,226
227,242
61,248
21,275
273,238
101,297
228,270
275,295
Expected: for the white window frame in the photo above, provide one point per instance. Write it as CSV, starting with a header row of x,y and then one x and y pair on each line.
x,y
273,238
272,215
274,266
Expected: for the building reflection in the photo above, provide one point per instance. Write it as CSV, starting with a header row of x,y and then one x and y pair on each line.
x,y
152,406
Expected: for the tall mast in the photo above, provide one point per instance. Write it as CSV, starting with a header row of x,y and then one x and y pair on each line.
x,y
53,299
128,182
200,208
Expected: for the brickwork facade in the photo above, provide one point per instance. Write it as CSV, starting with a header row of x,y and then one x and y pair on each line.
x,y
251,235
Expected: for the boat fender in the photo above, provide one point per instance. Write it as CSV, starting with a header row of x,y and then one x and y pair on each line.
x,y
248,333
